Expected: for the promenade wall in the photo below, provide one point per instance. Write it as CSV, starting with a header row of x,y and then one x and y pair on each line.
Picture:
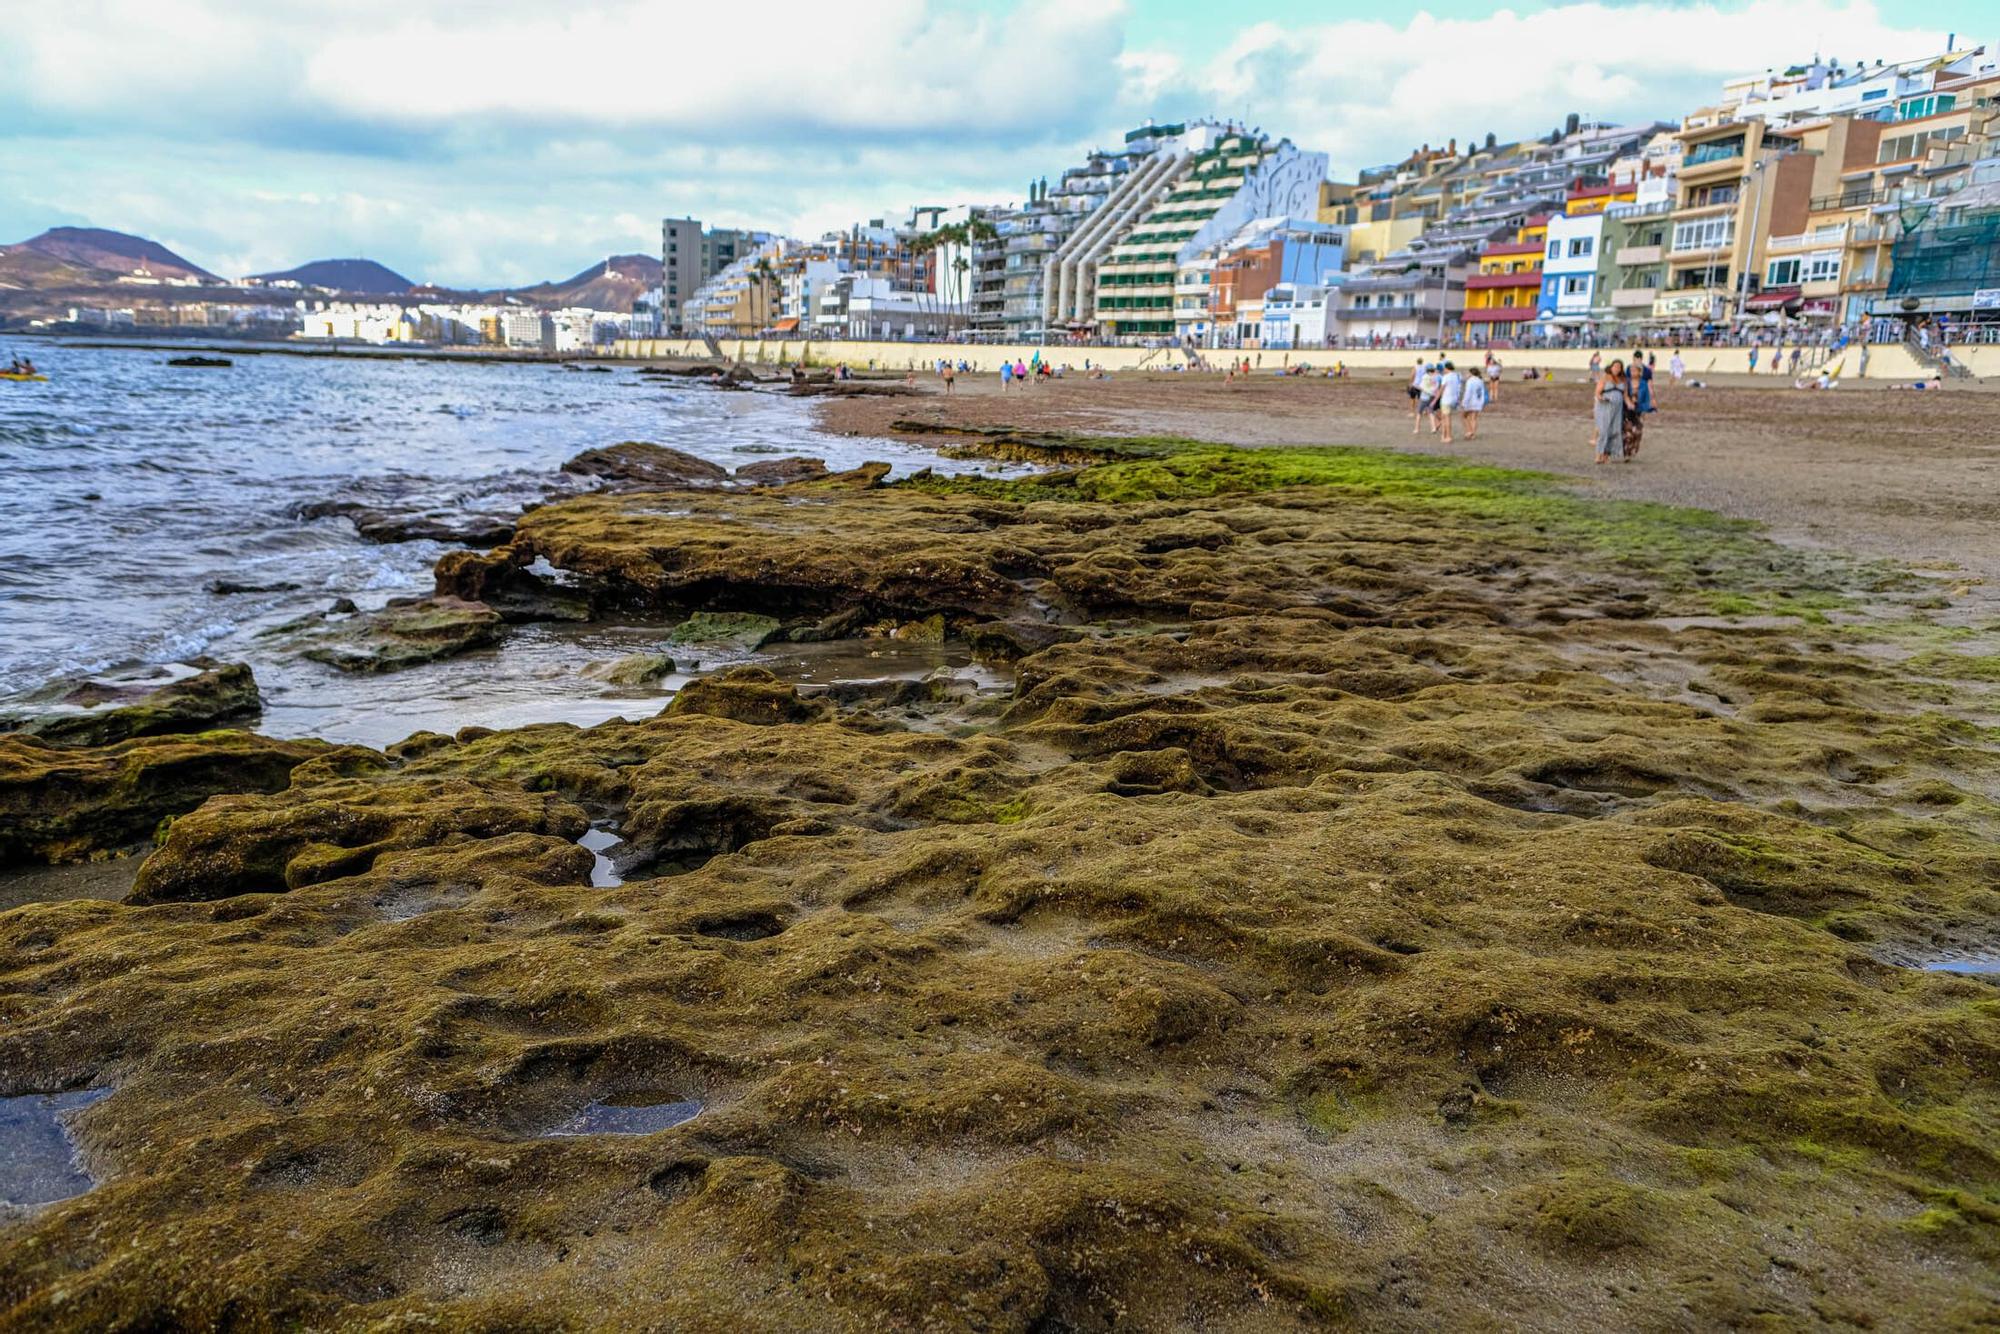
x,y
1886,361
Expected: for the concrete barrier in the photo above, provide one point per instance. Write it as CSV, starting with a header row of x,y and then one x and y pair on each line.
x,y
1885,361
885,356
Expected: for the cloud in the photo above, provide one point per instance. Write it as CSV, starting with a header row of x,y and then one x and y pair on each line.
x,y
514,140
1369,90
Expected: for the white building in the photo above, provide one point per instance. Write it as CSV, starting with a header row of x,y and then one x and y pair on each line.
x,y
1295,315
356,321
1570,270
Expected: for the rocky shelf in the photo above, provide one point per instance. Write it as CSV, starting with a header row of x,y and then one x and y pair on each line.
x,y
1390,893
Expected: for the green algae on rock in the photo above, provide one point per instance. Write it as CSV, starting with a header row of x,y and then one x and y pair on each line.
x,y
1367,908
62,804
182,697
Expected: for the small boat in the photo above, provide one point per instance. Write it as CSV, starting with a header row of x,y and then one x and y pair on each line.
x,y
198,361
22,376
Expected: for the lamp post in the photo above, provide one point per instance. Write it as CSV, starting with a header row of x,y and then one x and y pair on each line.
x,y
1750,181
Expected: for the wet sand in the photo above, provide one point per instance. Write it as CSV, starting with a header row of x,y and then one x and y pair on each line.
x,y
1907,476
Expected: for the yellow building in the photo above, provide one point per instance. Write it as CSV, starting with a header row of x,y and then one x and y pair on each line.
x,y
1500,296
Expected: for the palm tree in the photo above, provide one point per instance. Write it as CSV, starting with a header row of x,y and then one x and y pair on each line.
x,y
761,276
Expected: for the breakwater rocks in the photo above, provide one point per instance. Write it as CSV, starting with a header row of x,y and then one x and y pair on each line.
x,y
1389,894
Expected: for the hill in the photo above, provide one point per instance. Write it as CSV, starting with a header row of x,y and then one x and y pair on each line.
x,y
342,275
115,253
613,285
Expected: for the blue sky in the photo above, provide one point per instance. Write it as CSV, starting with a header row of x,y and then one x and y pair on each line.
x,y
514,140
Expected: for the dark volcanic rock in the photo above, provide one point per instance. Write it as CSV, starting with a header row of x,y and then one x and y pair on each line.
x,y
226,587
778,472
377,523
179,697
636,463
61,804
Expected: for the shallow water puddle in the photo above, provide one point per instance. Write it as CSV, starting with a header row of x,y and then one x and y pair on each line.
x,y
1976,966
604,1118
603,870
38,1162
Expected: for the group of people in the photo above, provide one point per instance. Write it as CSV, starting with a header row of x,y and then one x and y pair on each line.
x,y
22,366
1019,371
1439,391
1621,400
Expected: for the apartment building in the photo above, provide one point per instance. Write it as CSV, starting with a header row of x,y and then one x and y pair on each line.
x,y
1117,272
1211,285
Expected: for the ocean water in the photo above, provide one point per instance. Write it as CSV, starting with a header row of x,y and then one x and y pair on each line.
x,y
129,486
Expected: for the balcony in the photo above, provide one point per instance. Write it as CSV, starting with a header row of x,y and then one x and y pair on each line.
x,y
1808,240
1713,154
1525,278
1848,199
1639,255
1626,298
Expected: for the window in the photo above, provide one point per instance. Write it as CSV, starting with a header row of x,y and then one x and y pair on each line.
x,y
1925,106
1577,285
1581,246
1903,146
1704,233
1781,273
1823,266
1555,250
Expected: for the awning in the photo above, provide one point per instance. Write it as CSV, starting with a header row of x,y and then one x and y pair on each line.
x,y
1771,299
1499,314
786,325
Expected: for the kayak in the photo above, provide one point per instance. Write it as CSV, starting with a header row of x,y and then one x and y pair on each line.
x,y
17,375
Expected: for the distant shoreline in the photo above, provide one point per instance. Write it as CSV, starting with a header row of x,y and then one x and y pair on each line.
x,y
371,350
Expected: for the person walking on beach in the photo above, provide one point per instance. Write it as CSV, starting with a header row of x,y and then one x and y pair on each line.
x,y
1635,406
1492,377
1609,406
1676,367
1020,370
1416,394
1472,402
1427,392
1753,358
1642,384
950,378
1451,389
1006,376
1596,364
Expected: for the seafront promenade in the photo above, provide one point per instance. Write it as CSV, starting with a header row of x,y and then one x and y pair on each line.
x,y
1884,361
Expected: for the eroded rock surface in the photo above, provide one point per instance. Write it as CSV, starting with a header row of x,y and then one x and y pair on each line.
x,y
1347,919
177,697
63,803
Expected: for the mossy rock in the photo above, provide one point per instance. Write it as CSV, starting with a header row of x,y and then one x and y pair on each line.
x,y
189,697
64,803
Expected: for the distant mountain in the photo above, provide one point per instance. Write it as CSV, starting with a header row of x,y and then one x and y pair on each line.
x,y
343,275
114,253
613,284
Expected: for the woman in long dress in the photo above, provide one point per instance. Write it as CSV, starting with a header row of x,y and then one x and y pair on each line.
x,y
1609,405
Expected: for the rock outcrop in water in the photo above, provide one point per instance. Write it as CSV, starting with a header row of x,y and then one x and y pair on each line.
x,y
180,697
637,463
403,633
1369,907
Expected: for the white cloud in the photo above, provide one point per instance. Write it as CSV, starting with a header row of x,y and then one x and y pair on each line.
x,y
1368,90
513,140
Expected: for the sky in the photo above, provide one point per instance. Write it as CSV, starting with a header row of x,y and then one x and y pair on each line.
x,y
510,141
